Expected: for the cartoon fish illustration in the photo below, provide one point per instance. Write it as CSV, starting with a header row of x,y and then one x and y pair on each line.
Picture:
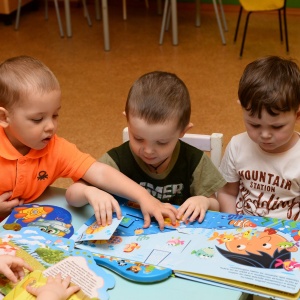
x,y
204,252
130,247
242,223
288,264
222,238
175,242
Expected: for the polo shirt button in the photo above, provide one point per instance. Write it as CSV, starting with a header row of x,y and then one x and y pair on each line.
x,y
21,179
22,161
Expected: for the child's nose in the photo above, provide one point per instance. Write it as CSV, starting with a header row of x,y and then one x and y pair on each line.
x,y
148,149
265,134
49,126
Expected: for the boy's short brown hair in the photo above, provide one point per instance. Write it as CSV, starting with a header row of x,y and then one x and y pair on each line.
x,y
20,74
156,97
271,83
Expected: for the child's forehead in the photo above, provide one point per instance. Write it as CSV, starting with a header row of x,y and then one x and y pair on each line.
x,y
34,98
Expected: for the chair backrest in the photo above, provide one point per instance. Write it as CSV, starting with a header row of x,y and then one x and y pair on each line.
x,y
213,144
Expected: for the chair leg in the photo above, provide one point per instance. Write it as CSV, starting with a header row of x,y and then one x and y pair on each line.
x,y
18,15
286,30
223,15
198,18
124,10
168,18
98,11
280,25
86,13
238,24
163,24
244,35
58,19
219,22
46,10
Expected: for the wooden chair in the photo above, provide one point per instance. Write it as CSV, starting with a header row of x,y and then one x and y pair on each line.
x,y
262,6
213,144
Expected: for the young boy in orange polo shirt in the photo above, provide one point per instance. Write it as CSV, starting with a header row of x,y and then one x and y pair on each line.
x,y
32,156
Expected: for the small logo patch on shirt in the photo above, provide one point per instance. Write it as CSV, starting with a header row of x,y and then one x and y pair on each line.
x,y
42,175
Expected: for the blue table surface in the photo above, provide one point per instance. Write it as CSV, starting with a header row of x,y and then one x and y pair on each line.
x,y
172,288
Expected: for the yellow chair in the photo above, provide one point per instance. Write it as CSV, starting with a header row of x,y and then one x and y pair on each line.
x,y
262,6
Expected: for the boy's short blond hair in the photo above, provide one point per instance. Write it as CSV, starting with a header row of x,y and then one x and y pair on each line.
x,y
20,74
271,83
157,97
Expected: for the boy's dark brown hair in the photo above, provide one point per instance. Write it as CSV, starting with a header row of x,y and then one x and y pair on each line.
x,y
157,97
271,83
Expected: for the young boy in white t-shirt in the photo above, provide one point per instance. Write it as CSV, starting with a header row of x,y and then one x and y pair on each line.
x,y
261,166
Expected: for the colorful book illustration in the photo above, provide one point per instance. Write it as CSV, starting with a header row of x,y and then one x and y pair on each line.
x,y
92,231
49,218
254,254
51,255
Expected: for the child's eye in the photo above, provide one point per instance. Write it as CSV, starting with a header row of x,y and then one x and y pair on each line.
x,y
255,125
162,143
55,116
138,139
37,120
277,127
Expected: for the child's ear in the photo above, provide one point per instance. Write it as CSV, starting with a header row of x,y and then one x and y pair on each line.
x,y
186,129
3,117
124,113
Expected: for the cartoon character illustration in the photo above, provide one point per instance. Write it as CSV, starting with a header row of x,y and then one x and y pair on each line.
x,y
242,223
168,222
204,252
288,264
221,238
136,268
296,234
138,231
53,227
175,242
94,228
29,214
262,250
6,249
130,247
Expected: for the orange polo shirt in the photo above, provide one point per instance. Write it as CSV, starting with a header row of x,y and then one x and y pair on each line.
x,y
28,176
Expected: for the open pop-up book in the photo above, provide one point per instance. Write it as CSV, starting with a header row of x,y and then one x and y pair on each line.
x,y
258,255
49,255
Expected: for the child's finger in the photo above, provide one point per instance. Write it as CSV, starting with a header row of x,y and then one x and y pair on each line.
x,y
32,290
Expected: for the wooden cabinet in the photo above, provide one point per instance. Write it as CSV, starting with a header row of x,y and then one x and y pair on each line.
x,y
8,6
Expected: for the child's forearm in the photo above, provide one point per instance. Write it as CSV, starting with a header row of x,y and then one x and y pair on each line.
x,y
114,182
213,204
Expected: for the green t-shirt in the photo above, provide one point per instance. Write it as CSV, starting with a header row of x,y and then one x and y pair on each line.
x,y
190,173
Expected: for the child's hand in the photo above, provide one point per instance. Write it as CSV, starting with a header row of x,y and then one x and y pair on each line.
x,y
154,208
6,206
192,208
56,288
103,204
13,267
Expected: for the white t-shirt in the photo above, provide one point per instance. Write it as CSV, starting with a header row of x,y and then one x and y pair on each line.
x,y
269,182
